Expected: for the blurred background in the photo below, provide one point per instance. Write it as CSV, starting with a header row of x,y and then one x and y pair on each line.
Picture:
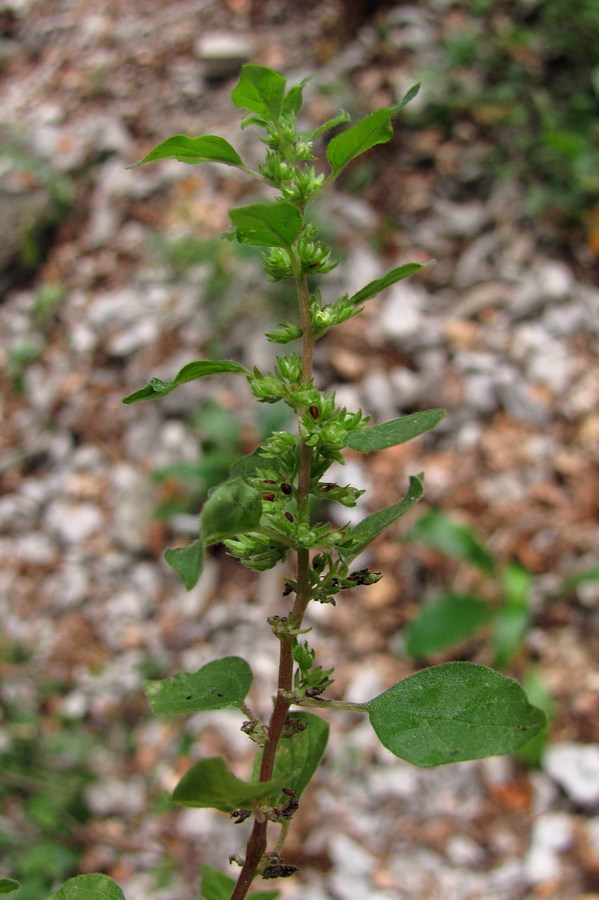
x,y
110,275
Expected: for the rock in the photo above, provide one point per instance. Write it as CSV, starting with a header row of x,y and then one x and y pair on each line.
x,y
73,523
463,220
552,834
545,284
403,315
575,767
134,499
222,53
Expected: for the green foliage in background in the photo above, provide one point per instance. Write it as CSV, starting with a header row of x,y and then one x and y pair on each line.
x,y
527,75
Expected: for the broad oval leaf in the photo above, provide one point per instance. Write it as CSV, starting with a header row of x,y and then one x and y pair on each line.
x,y
8,885
453,712
379,284
89,887
443,534
365,531
232,508
398,431
190,372
247,466
206,148
299,755
188,562
220,684
259,90
211,784
217,886
267,224
373,129
445,622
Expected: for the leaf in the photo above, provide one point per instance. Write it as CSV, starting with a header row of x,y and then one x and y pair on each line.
x,y
454,712
188,562
89,887
190,372
249,464
365,531
441,533
339,119
8,885
447,621
373,129
232,508
211,784
409,95
530,754
267,224
293,101
300,754
206,148
587,576
220,684
216,886
259,90
379,284
512,619
398,431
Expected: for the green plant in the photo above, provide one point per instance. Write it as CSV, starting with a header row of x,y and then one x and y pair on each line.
x,y
500,608
527,76
451,617
44,776
262,514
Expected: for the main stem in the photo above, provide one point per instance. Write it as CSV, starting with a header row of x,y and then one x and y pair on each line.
x,y
256,845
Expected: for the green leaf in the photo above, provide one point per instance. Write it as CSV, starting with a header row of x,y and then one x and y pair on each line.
x,y
211,784
267,224
370,527
443,534
231,509
216,886
444,622
260,90
512,619
192,371
374,129
339,119
188,562
398,431
530,754
300,754
409,95
89,887
454,712
220,684
206,148
587,576
8,885
293,101
248,465
379,284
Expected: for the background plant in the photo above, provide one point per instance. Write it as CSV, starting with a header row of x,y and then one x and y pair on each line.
x,y
262,513
527,76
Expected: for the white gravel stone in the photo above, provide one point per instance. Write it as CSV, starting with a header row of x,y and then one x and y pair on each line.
x,y
73,522
575,767
403,313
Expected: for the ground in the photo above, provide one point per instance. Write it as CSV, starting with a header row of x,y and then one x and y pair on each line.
x,y
130,279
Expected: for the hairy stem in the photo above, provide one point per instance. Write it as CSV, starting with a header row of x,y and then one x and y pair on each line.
x,y
257,842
